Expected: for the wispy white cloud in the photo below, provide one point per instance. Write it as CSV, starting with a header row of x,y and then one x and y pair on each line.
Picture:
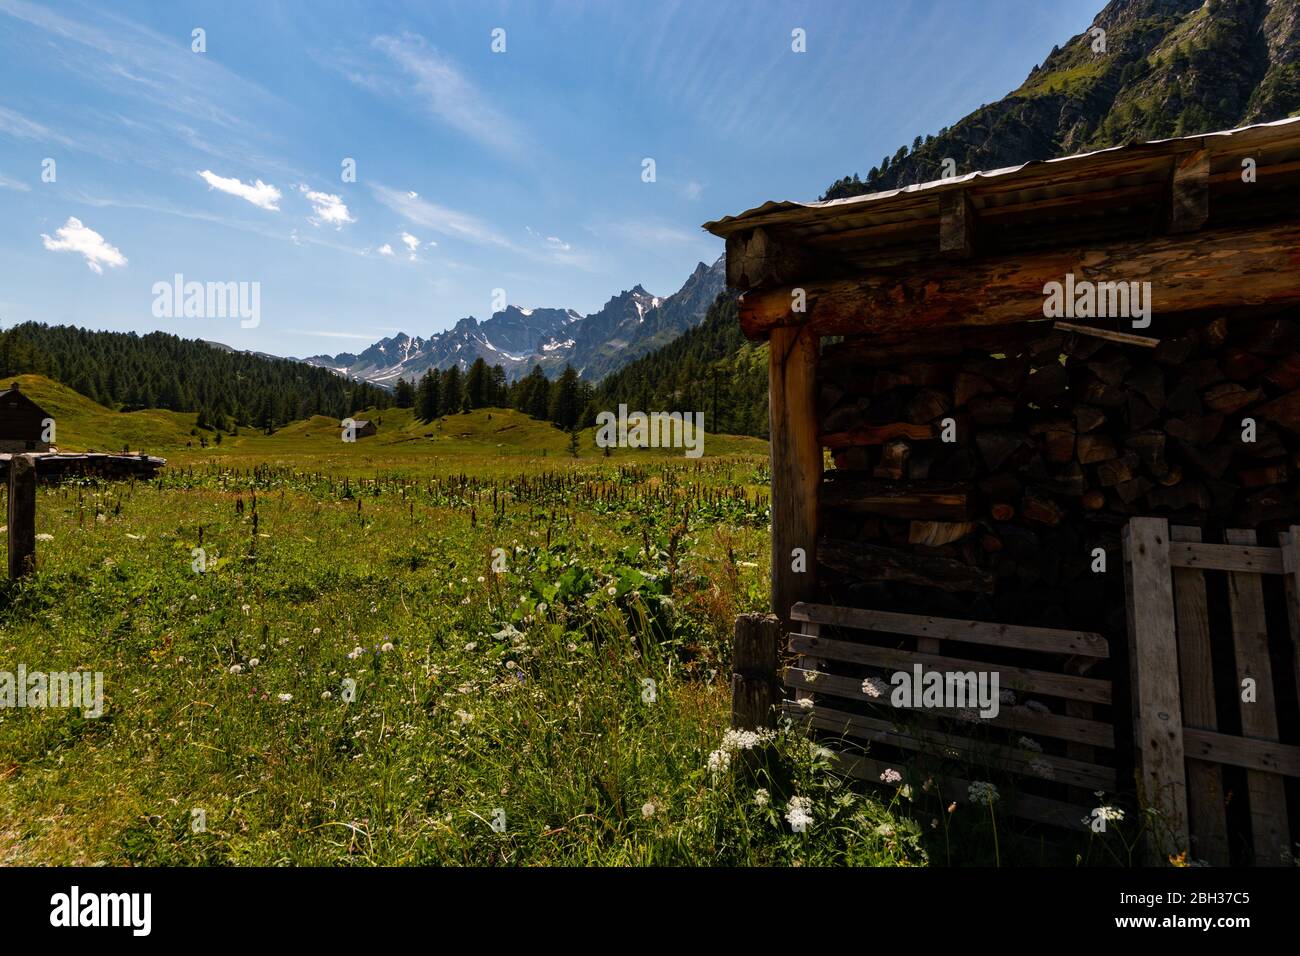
x,y
326,334
431,81
385,250
15,124
260,194
73,236
448,222
327,208
554,243
7,183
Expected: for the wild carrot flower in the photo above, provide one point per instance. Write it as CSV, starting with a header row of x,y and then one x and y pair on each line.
x,y
891,776
761,797
983,793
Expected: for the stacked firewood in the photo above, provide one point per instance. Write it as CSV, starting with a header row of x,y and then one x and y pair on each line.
x,y
999,462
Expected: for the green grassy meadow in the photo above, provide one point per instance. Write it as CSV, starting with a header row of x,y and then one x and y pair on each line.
x,y
449,643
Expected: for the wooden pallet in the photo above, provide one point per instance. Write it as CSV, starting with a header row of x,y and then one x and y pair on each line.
x,y
1078,745
1178,748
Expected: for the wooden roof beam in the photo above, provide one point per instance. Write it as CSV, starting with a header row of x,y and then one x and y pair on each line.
x,y
1257,265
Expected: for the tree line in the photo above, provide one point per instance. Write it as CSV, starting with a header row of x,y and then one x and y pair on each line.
x,y
126,371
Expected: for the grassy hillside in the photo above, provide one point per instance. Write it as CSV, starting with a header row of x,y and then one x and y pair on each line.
x,y
402,441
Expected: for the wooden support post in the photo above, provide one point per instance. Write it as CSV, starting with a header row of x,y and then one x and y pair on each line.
x,y
796,466
1153,666
755,658
22,515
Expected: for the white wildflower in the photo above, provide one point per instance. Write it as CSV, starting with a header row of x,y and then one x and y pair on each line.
x,y
874,687
719,761
761,797
1029,743
891,776
799,813
648,809
285,698
236,669
983,793
1042,768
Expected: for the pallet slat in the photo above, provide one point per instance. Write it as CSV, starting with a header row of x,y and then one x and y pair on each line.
x,y
1157,709
1025,805
1092,732
1019,678
1267,756
1268,818
953,747
1048,640
1225,557
1205,806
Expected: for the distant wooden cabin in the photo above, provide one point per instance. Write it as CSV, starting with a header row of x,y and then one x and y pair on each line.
x,y
22,423
365,428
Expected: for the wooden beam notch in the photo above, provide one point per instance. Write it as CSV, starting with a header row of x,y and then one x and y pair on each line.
x,y
1190,205
956,225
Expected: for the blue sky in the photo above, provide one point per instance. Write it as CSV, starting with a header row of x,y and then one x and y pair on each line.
x,y
519,170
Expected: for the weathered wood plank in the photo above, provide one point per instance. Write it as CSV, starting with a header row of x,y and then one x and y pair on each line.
x,y
1203,270
1267,795
956,747
796,466
1091,732
1024,805
1020,678
1045,639
1157,709
1266,756
1205,806
1290,541
1225,557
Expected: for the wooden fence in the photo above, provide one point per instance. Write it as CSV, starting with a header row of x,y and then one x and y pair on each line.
x,y
1179,700
1056,740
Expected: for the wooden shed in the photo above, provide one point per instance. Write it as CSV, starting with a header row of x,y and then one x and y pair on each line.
x,y
22,423
365,428
998,398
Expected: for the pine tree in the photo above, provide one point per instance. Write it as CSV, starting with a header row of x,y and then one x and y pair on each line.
x,y
453,385
427,400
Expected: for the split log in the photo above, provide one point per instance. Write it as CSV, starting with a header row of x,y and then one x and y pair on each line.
x,y
918,500
870,562
876,434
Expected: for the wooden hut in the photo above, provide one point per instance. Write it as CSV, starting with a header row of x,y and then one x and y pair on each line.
x,y
22,423
982,389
